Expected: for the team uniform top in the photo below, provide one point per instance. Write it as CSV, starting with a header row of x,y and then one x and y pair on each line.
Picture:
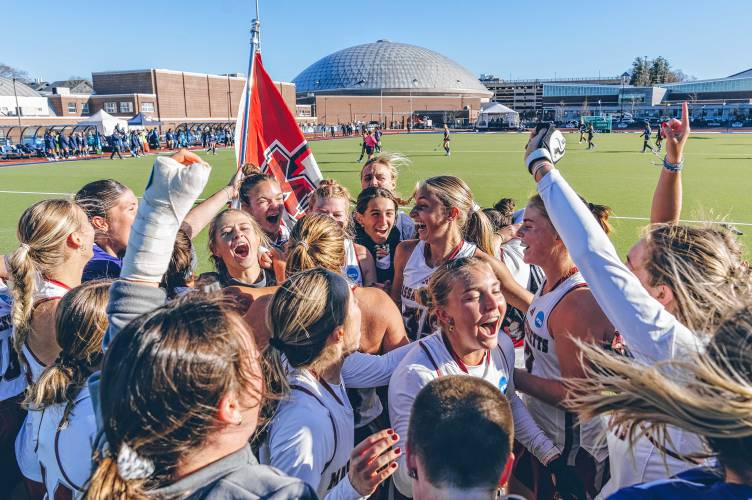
x,y
64,453
432,357
12,380
541,360
698,484
351,269
405,225
415,276
649,331
26,440
311,435
17,375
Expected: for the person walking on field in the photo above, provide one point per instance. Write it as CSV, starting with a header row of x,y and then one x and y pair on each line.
x,y
659,136
590,133
447,151
363,135
646,132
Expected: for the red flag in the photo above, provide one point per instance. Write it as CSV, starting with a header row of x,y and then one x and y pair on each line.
x,y
267,135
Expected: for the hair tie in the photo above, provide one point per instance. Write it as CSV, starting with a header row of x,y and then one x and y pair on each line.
x,y
25,246
276,343
304,244
475,208
133,466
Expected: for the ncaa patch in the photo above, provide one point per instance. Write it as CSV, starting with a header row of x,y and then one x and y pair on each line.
x,y
352,273
539,319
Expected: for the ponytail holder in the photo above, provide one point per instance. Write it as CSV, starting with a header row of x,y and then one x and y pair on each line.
x,y
276,343
25,246
133,466
304,244
475,207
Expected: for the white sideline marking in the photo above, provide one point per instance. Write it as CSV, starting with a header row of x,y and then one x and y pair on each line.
x,y
612,217
690,221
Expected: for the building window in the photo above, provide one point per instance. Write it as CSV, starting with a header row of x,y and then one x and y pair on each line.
x,y
110,107
71,107
85,108
126,107
147,107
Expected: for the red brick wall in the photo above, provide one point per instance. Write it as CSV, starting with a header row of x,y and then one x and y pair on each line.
x,y
343,109
135,82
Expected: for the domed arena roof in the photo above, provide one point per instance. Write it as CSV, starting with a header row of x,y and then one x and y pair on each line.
x,y
386,65
22,90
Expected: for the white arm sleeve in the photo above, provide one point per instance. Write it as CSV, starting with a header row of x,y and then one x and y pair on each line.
x,y
363,371
405,385
650,332
526,429
301,442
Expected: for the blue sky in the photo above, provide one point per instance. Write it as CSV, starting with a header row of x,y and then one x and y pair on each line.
x,y
54,40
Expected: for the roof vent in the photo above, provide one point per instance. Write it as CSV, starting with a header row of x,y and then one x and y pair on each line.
x,y
383,40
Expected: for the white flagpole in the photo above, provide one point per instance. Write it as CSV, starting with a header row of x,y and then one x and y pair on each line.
x,y
246,104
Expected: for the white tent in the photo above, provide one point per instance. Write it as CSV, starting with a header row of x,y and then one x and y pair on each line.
x,y
496,115
105,122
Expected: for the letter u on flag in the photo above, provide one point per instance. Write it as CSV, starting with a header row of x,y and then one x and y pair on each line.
x,y
267,135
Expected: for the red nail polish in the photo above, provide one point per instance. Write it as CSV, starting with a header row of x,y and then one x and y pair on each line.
x,y
395,437
393,465
390,431
397,450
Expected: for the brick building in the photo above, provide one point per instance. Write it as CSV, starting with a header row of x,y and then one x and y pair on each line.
x,y
173,97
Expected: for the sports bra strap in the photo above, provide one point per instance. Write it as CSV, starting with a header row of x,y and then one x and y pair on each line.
x,y
306,390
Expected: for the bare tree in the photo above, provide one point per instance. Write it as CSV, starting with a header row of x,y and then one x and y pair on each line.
x,y
11,72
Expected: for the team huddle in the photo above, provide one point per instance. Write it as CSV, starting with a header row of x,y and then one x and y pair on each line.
x,y
446,351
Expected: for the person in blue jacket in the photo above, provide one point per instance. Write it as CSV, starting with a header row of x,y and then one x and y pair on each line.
x,y
63,144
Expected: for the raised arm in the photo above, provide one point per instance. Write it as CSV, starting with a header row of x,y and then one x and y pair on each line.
x,y
667,199
650,331
200,215
173,187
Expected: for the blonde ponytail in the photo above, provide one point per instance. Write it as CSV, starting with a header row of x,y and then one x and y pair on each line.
x,y
106,482
80,323
42,231
316,240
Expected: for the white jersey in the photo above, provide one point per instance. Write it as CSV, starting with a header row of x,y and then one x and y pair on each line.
x,y
12,380
416,276
541,360
513,256
27,438
65,453
405,225
351,269
650,332
431,358
311,435
18,373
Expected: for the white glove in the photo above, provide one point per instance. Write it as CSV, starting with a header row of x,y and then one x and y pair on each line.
x,y
169,196
547,144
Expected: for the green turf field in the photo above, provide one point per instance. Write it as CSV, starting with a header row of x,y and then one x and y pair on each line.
x,y
717,176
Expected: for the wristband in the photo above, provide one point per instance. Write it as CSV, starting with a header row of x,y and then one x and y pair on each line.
x,y
538,165
535,155
673,167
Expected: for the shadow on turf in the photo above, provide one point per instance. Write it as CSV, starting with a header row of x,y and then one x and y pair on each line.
x,y
730,158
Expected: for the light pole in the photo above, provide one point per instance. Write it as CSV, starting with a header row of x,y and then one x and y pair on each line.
x,y
18,109
415,80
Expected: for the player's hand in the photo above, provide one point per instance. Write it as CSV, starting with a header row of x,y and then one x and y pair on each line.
x,y
265,259
186,157
676,133
234,184
568,485
373,460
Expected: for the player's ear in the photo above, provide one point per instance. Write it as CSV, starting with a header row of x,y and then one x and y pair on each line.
x,y
337,335
229,410
453,213
359,218
100,224
665,295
